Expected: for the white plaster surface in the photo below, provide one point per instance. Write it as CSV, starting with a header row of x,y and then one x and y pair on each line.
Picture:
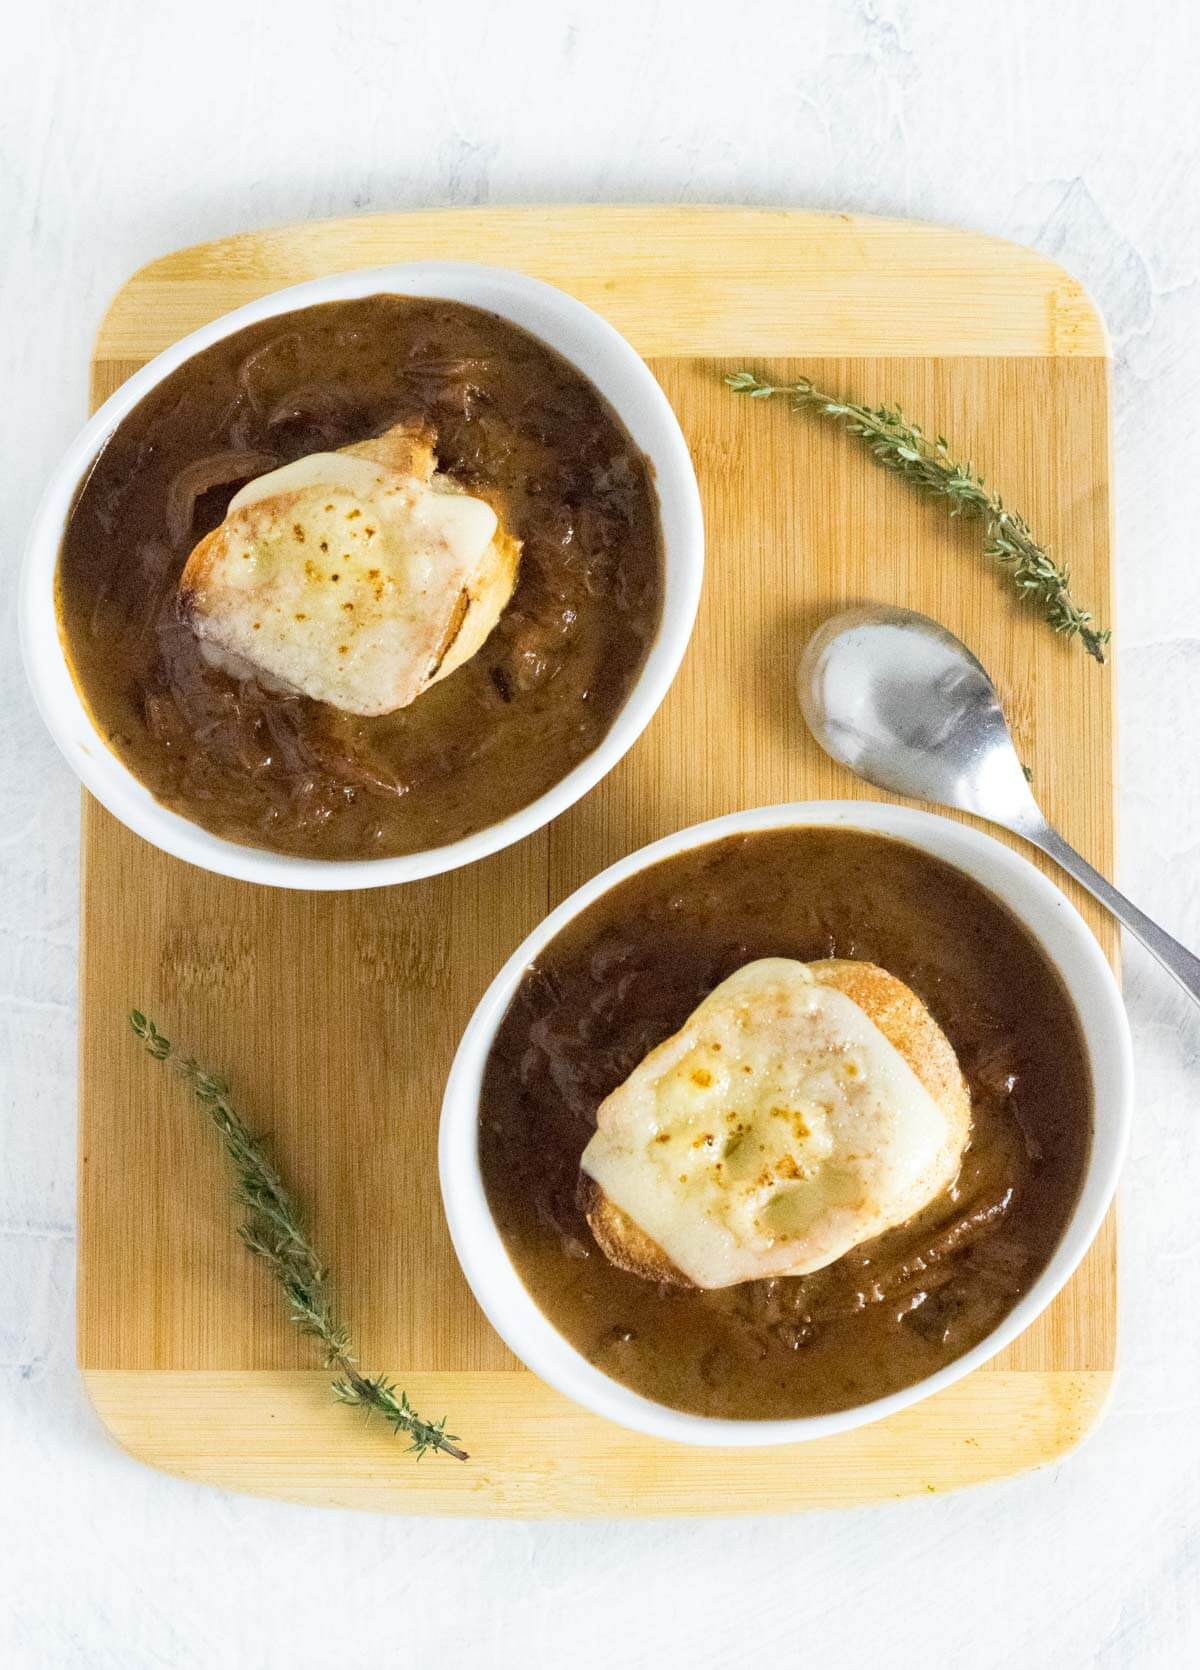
x,y
127,129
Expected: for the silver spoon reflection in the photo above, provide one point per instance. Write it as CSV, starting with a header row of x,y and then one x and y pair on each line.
x,y
906,706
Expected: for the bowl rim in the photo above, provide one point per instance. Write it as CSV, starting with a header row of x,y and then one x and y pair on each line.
x,y
564,324
1065,940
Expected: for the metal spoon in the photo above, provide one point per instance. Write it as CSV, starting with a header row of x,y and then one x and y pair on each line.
x,y
901,702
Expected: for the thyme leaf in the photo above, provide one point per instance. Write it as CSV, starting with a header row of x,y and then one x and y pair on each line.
x,y
272,1229
903,448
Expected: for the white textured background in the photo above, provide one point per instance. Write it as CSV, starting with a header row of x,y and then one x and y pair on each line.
x,y
127,129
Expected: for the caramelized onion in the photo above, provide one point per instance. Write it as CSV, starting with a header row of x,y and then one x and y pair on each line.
x,y
929,1266
273,366
327,410
219,469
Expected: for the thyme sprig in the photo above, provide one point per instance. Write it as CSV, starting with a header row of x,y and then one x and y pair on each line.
x,y
272,1230
902,447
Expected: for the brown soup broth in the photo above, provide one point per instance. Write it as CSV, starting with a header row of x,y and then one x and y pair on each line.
x,y
626,973
517,426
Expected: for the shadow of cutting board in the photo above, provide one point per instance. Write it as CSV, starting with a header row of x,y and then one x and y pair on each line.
x,y
336,1016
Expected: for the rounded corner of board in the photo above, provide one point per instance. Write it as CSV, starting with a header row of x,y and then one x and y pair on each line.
x,y
99,1389
1073,1404
1078,329
1075,326
1085,1405
108,341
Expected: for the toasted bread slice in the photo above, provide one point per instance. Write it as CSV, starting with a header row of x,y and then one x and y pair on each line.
x,y
906,1024
405,449
622,1242
482,599
358,577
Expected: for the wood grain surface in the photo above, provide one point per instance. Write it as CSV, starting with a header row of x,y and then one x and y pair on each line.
x,y
336,1015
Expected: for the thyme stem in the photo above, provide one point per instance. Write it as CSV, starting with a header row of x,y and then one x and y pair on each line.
x,y
272,1230
901,446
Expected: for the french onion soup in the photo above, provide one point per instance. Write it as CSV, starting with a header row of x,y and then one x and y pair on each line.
x,y
362,579
785,1123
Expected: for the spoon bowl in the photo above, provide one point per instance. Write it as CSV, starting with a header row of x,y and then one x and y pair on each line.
x,y
903,703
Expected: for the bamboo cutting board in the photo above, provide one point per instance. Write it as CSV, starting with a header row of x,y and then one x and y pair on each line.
x,y
336,1015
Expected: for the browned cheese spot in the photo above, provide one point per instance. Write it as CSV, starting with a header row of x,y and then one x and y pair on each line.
x,y
797,1120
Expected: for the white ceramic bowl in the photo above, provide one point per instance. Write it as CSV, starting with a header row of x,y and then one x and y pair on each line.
x,y
583,338
1064,938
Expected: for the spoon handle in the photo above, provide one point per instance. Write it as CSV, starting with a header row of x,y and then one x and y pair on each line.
x,y
1174,957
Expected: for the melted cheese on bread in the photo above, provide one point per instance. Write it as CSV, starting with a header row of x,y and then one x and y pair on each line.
x,y
778,1128
357,577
